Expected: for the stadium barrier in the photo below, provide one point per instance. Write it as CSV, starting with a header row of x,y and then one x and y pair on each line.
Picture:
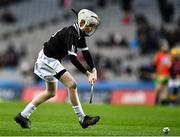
x,y
30,92
116,92
10,89
133,97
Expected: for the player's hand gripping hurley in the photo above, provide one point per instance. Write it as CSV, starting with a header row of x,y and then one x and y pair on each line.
x,y
92,79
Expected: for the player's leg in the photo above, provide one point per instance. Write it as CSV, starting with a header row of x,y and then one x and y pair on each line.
x,y
23,117
173,86
70,83
50,91
51,88
164,94
158,88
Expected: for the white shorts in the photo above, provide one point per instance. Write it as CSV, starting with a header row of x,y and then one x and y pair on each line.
x,y
46,67
174,83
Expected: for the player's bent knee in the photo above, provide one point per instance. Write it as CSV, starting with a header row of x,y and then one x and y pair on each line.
x,y
72,85
51,94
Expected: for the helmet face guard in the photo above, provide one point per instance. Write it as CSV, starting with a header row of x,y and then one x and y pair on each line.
x,y
93,28
91,20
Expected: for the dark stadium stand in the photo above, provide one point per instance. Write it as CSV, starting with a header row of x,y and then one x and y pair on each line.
x,y
37,20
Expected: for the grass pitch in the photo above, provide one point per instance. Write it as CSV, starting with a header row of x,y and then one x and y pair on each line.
x,y
60,120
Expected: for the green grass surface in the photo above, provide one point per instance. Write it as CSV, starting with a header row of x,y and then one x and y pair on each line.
x,y
60,120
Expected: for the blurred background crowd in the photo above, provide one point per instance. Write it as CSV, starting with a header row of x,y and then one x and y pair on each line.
x,y
138,40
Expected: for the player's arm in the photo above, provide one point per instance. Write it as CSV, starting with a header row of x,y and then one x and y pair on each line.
x,y
79,66
82,46
71,41
88,58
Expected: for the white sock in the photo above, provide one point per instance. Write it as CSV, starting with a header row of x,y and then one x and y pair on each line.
x,y
28,110
79,112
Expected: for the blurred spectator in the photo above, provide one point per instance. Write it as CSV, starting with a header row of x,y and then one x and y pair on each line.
x,y
100,64
4,3
174,82
2,63
162,63
10,57
126,6
166,9
61,3
171,32
126,69
8,17
117,66
147,35
167,32
26,70
67,5
23,50
113,40
101,3
101,73
119,40
146,72
177,32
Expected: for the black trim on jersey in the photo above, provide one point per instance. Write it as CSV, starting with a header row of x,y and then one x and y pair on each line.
x,y
87,56
76,26
77,64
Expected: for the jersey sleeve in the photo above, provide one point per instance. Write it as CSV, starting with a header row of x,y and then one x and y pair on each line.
x,y
71,41
82,46
88,58
77,64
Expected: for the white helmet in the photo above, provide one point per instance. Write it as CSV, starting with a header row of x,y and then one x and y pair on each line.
x,y
91,20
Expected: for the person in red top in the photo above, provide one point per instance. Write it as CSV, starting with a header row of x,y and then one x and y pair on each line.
x,y
162,63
